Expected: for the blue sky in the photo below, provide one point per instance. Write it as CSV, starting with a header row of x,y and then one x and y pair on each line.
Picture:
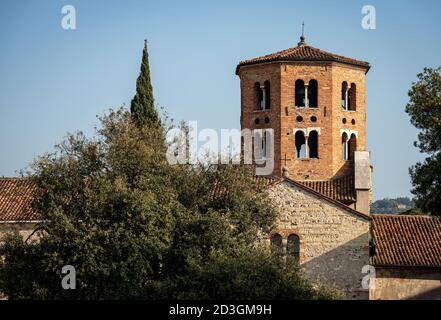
x,y
53,81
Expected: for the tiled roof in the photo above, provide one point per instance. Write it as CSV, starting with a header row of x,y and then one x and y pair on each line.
x,y
261,182
304,53
15,200
406,241
342,189
328,199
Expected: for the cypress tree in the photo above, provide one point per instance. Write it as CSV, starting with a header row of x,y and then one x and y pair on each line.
x,y
142,106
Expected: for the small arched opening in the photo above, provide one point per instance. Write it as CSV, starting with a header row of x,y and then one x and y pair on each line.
x,y
352,146
313,144
300,142
344,146
300,93
313,94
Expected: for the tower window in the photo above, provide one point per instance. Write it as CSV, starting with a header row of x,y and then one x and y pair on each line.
x,y
293,246
352,97
344,146
265,144
276,242
300,143
267,95
344,95
313,94
313,144
262,143
259,96
299,118
352,146
263,95
300,93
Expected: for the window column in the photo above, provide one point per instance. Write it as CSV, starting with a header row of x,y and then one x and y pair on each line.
x,y
346,98
263,102
306,97
306,147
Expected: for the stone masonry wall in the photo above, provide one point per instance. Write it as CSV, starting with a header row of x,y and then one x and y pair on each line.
x,y
398,284
24,228
334,243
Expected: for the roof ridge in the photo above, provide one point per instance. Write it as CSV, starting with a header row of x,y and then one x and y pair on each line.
x,y
304,52
329,199
391,215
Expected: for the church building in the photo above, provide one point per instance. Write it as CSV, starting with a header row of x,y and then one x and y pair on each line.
x,y
309,107
312,104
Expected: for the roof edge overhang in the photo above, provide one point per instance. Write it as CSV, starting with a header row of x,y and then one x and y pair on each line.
x,y
408,267
19,221
330,200
366,66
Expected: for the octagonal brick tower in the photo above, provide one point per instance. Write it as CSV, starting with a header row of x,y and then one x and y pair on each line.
x,y
315,103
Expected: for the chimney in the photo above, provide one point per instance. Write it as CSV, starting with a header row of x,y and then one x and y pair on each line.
x,y
363,180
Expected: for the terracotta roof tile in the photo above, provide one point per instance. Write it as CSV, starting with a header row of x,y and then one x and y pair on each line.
x,y
406,241
341,189
15,200
261,182
304,53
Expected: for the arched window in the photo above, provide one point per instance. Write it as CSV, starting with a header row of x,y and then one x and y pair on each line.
x,y
352,97
344,97
300,93
293,246
344,146
352,146
259,96
265,144
313,144
267,94
313,94
300,143
276,242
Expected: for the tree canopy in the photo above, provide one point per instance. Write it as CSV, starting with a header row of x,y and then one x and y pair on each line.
x,y
142,106
424,109
136,227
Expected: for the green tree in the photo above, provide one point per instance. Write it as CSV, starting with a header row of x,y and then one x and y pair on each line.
x,y
135,227
142,106
424,108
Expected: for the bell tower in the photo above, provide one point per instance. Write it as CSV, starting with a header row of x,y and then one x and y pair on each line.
x,y
314,101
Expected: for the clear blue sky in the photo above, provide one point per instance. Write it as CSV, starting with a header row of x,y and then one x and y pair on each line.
x,y
53,81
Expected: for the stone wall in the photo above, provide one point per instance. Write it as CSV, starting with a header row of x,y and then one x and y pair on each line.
x,y
399,283
334,242
25,228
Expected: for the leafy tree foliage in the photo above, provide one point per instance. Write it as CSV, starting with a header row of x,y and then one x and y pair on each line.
x,y
396,205
424,108
142,105
135,227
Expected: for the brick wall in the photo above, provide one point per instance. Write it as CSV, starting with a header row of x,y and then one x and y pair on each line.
x,y
399,283
283,114
334,242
